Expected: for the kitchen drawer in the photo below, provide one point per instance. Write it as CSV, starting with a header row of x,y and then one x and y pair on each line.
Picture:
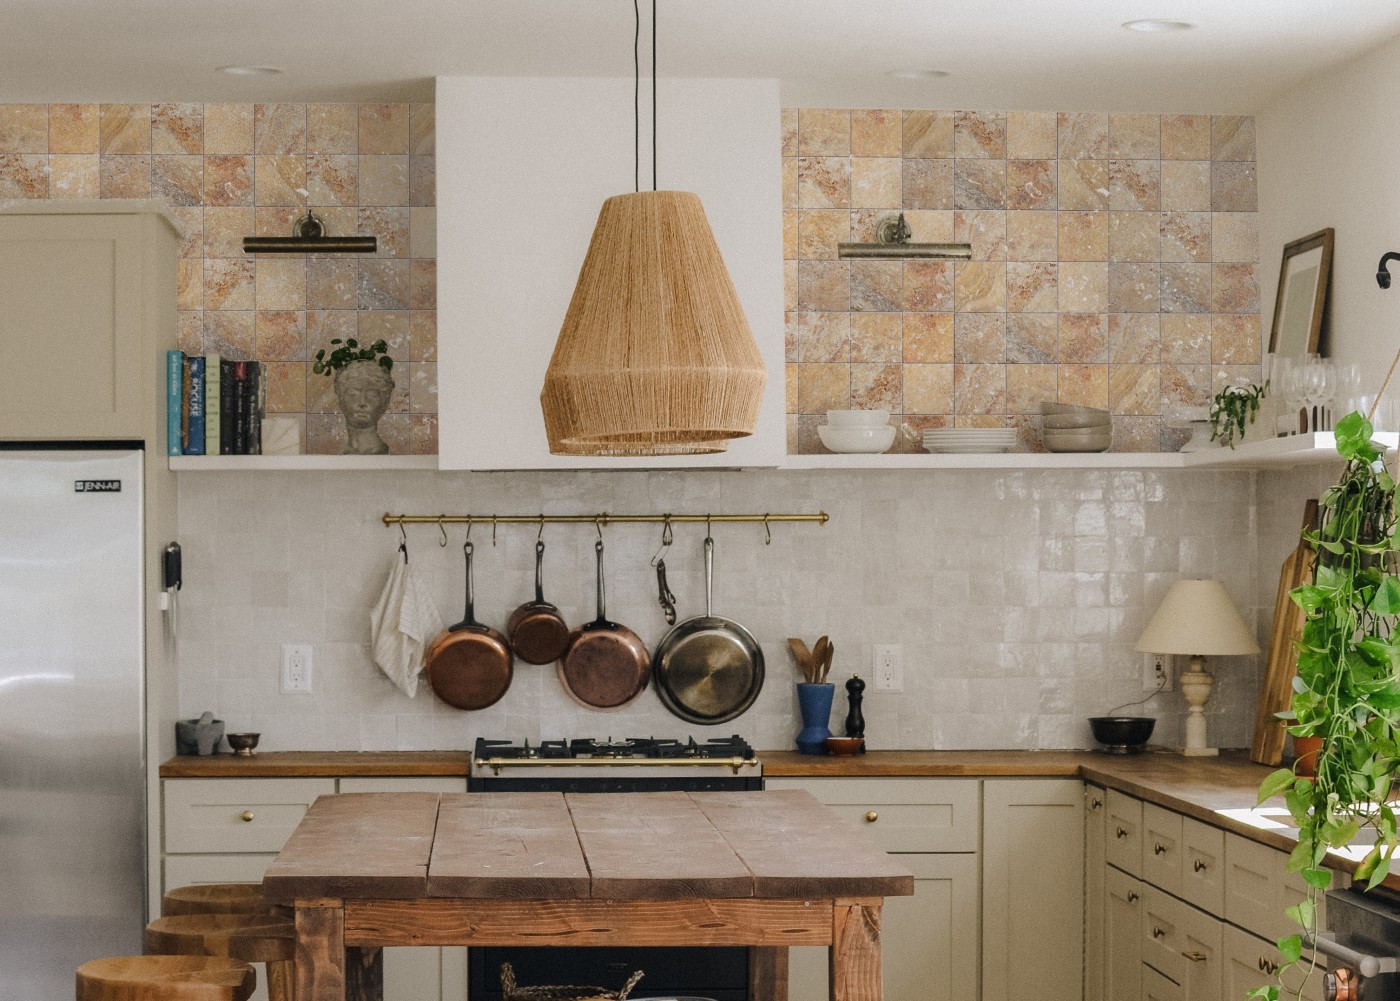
x,y
1251,962
1156,987
1161,932
1257,889
429,783
236,815
1161,847
1203,865
188,870
1182,943
1124,827
903,815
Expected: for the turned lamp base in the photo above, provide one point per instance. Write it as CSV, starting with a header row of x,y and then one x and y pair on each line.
x,y
1196,684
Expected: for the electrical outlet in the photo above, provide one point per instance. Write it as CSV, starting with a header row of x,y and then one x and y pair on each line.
x,y
889,667
296,669
1151,664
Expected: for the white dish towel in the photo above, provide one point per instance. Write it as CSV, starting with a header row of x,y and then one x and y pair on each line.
x,y
402,624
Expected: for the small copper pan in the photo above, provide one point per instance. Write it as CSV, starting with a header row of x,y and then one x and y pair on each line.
x,y
607,665
469,665
538,633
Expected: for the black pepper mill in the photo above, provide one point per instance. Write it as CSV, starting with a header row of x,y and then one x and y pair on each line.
x,y
855,722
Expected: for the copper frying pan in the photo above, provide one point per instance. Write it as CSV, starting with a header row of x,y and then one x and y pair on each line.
x,y
537,631
607,665
469,665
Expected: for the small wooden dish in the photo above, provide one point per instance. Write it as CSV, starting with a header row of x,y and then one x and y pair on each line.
x,y
844,745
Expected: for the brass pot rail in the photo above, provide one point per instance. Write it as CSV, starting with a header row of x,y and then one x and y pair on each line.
x,y
599,520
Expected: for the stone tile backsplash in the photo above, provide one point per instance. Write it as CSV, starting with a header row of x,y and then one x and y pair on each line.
x,y
1017,595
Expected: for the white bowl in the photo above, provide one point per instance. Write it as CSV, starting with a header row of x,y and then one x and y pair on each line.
x,y
877,439
857,418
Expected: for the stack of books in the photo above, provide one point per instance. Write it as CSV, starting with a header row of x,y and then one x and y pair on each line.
x,y
214,406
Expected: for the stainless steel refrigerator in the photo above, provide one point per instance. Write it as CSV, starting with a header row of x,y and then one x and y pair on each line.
x,y
72,759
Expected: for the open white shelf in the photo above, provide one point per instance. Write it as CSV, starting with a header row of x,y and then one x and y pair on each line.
x,y
245,463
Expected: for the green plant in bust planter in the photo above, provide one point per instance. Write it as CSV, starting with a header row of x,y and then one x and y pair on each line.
x,y
1347,691
363,387
1232,410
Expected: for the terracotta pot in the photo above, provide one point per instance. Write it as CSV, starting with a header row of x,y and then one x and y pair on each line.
x,y
1306,749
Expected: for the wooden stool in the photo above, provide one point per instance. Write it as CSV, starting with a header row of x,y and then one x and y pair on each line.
x,y
165,978
215,898
251,938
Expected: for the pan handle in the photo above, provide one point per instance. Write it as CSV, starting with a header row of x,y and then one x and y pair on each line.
x,y
470,617
709,572
539,563
602,603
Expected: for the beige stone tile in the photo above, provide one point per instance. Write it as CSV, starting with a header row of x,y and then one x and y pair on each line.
x,y
1233,188
1134,137
928,286
1032,288
384,128
823,286
281,284
324,326
422,335
824,182
422,129
877,338
1083,286
1083,135
979,389
823,387
281,335
279,180
229,284
1236,340
389,326
817,338
224,230
422,285
330,283
791,188
24,128
178,179
926,133
1027,386
1186,186
1185,137
286,387
228,180
1235,237
1134,338
1186,237
788,123
1031,184
979,134
927,184
177,128
191,219
1186,339
1185,385
1032,338
985,230
1083,185
338,219
980,286
422,386
228,128
1235,288
1134,288
875,132
930,225
791,230
422,232
1083,385
928,389
1083,338
422,180
928,339
790,285
332,179
76,176
189,283
189,336
823,132
979,184
333,128
230,333
877,285
1083,236
1031,135
1134,185
1032,236
279,129
1133,389
877,387
125,176
1134,237
73,128
979,338
1232,137
875,182
124,128
384,180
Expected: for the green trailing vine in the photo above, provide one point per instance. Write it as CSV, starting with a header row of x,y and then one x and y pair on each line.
x,y
1232,410
1347,691
348,352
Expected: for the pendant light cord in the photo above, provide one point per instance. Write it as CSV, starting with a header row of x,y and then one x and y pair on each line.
x,y
653,95
637,95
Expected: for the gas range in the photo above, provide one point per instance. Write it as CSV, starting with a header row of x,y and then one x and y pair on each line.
x,y
635,764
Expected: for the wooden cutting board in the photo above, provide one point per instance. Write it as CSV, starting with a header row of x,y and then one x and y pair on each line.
x,y
1277,689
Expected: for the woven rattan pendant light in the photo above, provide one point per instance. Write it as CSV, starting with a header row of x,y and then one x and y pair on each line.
x,y
655,356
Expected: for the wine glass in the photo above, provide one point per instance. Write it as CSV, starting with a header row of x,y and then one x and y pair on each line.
x,y
1321,386
1290,374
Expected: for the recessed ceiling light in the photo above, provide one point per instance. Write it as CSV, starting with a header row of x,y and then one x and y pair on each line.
x,y
918,74
251,70
1158,24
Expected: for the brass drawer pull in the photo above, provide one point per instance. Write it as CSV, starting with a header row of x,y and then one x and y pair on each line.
x,y
1196,957
1121,833
871,817
1198,865
1266,966
1159,848
1132,897
246,816
1094,804
1157,932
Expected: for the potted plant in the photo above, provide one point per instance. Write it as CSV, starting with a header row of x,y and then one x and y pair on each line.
x,y
1347,691
363,387
1232,410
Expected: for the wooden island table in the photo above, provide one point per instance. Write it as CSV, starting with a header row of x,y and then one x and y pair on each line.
x,y
765,870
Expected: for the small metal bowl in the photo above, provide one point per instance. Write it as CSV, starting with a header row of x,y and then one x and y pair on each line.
x,y
242,743
844,745
1122,734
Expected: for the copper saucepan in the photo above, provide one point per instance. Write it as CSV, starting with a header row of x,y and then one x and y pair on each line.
x,y
469,665
607,665
537,631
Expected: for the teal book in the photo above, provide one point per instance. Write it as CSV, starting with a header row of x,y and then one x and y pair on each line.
x,y
174,393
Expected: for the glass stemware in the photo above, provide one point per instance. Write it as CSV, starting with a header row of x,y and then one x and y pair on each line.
x,y
1290,374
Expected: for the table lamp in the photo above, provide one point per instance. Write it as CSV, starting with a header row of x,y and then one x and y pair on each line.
x,y
1197,619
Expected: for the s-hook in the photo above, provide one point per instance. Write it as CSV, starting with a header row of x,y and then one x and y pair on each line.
x,y
767,532
664,597
666,540
403,542
443,530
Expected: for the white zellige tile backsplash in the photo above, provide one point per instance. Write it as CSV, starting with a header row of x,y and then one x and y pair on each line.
x,y
1017,596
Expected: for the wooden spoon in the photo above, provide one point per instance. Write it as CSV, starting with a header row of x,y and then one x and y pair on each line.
x,y
803,656
827,655
818,656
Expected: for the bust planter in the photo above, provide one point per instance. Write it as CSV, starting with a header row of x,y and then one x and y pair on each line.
x,y
363,389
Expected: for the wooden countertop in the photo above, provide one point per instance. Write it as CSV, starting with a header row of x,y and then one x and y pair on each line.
x,y
317,764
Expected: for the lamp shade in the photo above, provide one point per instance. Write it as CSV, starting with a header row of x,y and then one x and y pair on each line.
x,y
655,355
1197,617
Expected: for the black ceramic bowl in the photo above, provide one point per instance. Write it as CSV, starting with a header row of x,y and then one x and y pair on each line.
x,y
1122,734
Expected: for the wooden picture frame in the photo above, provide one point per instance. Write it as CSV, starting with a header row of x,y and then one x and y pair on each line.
x,y
1302,295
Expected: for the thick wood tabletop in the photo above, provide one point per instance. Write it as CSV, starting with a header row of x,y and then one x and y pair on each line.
x,y
554,846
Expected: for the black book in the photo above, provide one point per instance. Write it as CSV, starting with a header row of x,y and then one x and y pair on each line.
x,y
226,406
257,403
241,386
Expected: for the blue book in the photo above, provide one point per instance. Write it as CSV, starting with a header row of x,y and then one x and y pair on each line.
x,y
194,445
174,393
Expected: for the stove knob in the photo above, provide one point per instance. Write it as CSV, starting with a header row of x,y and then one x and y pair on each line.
x,y
1341,984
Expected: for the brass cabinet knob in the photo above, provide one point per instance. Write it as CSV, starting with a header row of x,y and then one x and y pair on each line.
x,y
1198,865
1120,833
1157,932
871,817
1196,957
1132,897
246,816
1095,804
1158,848
1269,967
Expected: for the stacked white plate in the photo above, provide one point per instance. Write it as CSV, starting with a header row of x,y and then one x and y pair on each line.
x,y
967,440
1066,428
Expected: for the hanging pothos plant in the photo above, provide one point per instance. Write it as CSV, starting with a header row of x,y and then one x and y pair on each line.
x,y
1347,691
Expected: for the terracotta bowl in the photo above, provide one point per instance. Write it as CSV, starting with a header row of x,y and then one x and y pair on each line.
x,y
844,745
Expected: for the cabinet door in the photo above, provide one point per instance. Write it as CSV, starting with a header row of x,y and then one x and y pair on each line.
x,y
1257,889
903,815
1095,809
928,941
236,815
1203,865
1156,987
1250,962
1161,847
1124,829
1200,938
1032,883
1161,933
1122,963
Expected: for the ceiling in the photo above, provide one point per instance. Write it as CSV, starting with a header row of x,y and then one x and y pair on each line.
x,y
1013,54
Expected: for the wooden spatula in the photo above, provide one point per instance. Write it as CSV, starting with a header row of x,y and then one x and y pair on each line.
x,y
803,656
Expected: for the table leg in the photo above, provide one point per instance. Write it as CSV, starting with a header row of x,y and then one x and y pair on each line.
x,y
855,951
320,956
364,974
768,973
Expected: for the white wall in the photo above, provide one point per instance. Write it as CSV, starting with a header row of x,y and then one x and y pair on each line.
x,y
1329,155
